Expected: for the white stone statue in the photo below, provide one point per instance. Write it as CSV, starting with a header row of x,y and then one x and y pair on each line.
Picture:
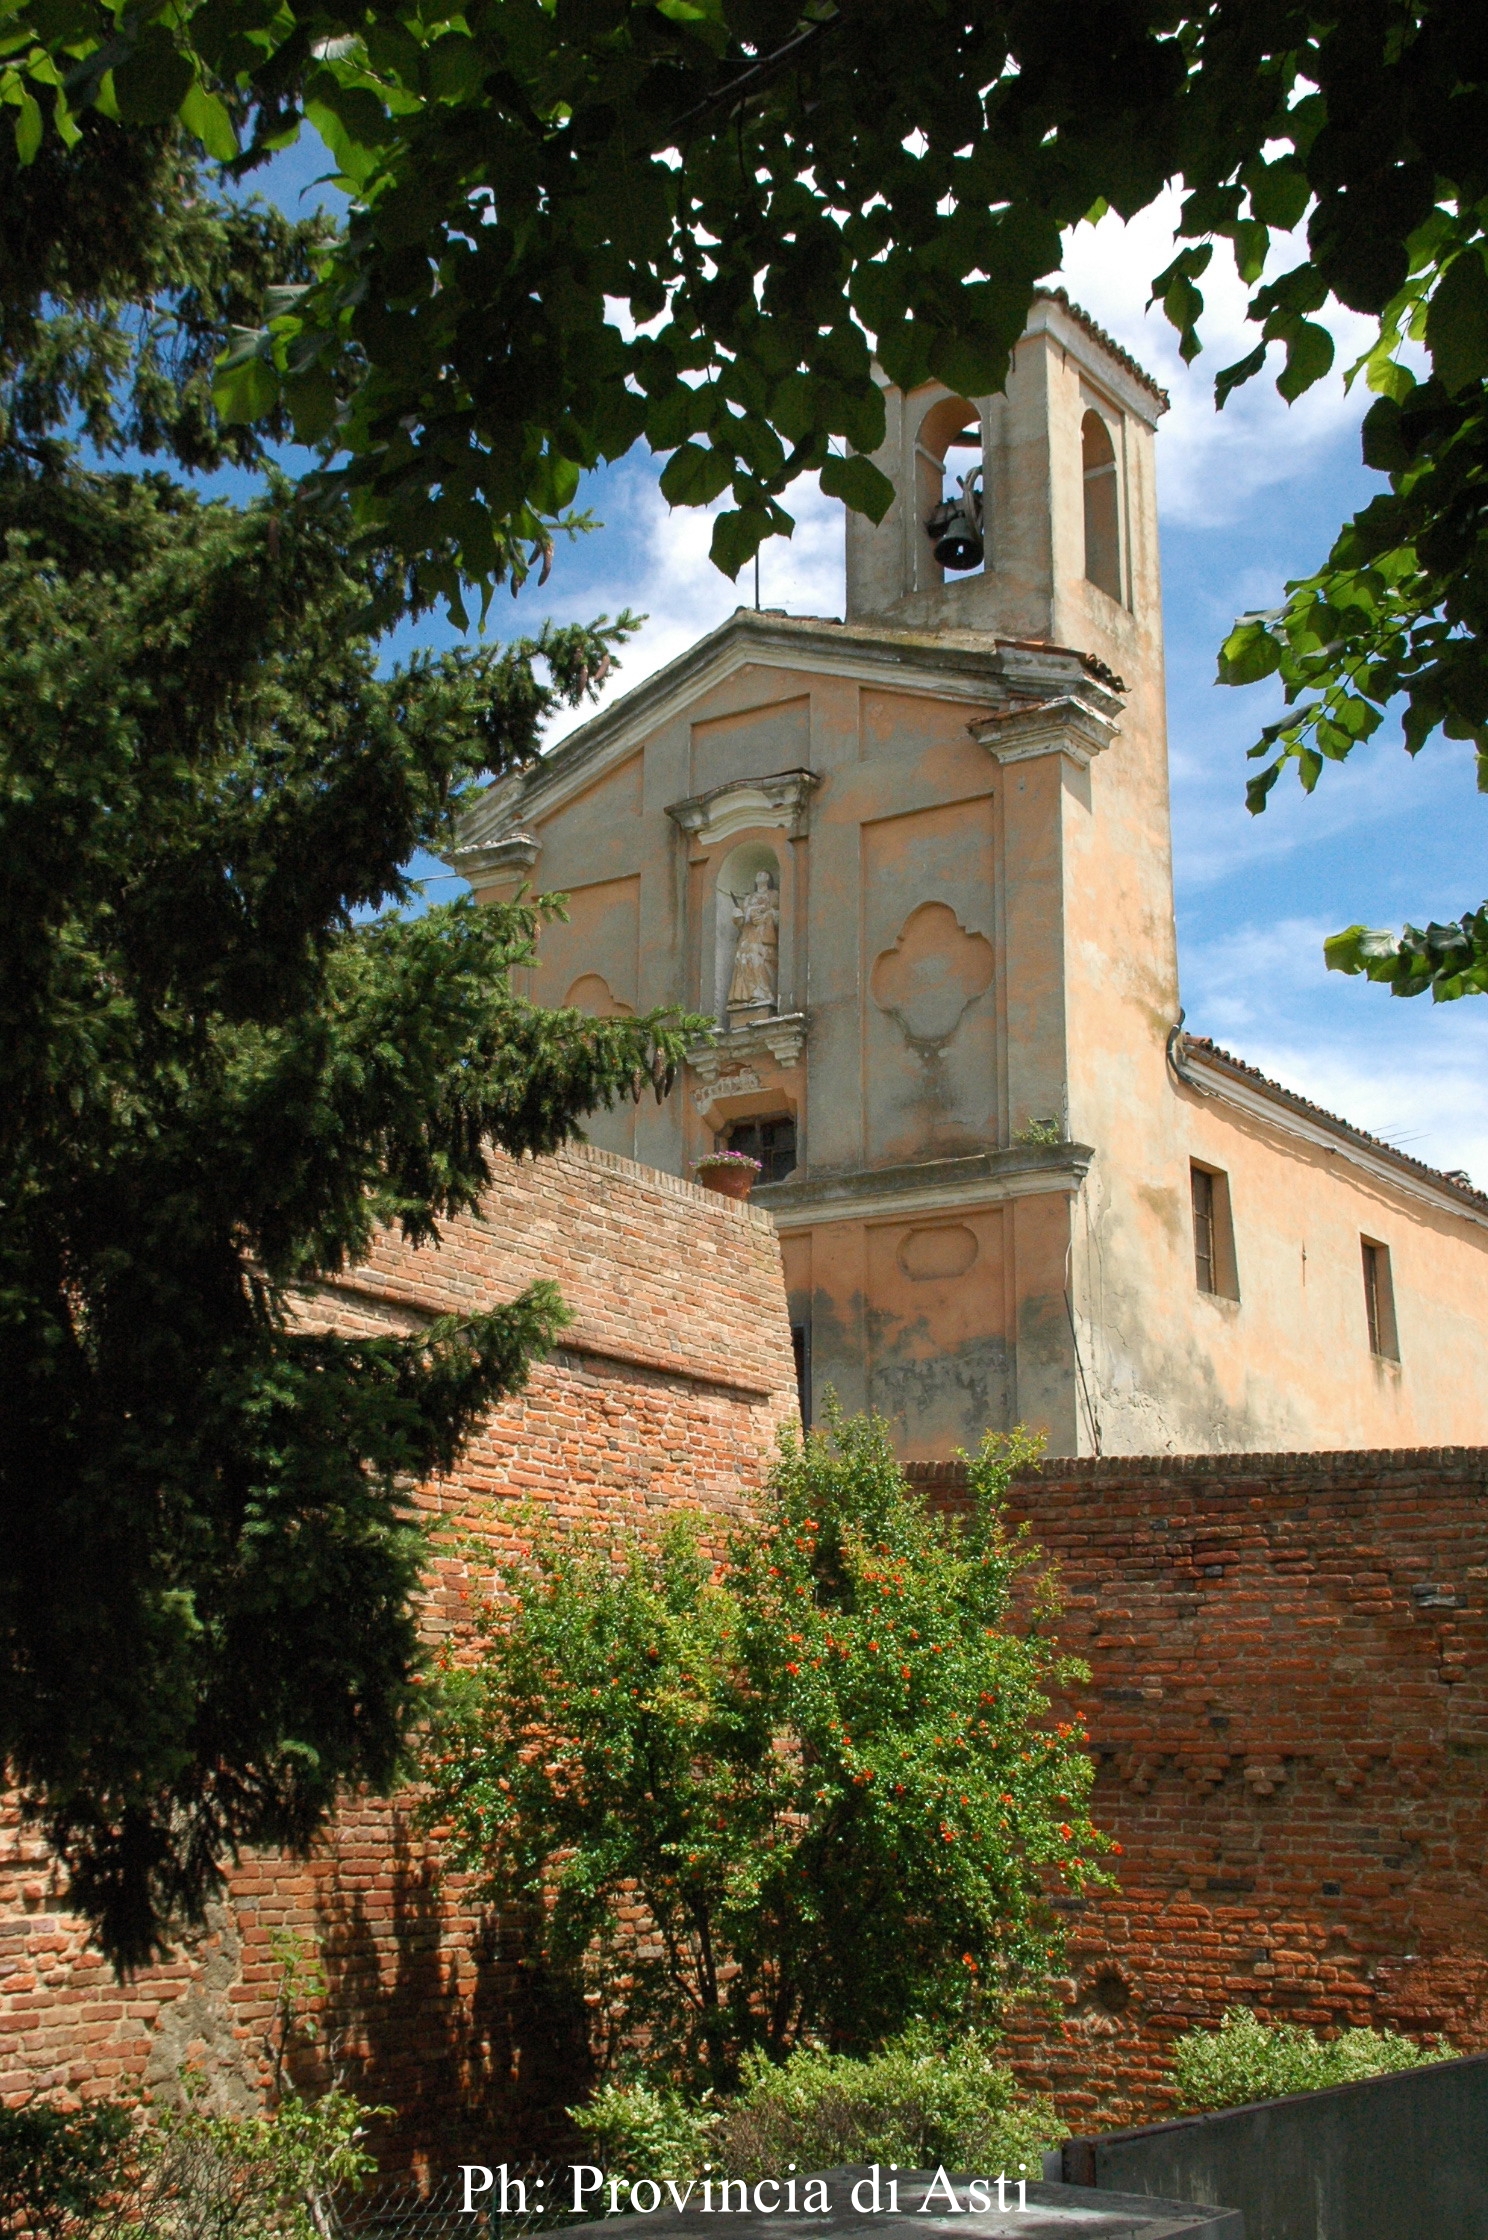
x,y
756,971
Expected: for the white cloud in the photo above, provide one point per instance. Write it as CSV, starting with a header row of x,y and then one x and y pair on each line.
x,y
1378,793
1410,1072
1432,1109
1237,983
660,568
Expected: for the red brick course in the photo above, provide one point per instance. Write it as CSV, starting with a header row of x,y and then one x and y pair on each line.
x,y
667,1392
1289,1708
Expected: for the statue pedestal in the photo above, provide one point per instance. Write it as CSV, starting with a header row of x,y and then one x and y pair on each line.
x,y
750,1038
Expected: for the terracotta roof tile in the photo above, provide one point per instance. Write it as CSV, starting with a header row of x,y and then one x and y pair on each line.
x,y
1455,1179
1106,341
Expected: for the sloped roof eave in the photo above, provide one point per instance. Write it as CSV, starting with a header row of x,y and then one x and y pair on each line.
x,y
1205,1051
969,657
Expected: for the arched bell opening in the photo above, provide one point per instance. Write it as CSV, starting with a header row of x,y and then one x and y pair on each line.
x,y
949,488
746,918
1102,506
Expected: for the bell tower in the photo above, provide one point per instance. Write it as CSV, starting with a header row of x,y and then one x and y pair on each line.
x,y
1023,532
1047,492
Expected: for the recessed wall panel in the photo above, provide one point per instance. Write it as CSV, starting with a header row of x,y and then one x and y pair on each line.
x,y
754,743
941,1364
592,962
928,979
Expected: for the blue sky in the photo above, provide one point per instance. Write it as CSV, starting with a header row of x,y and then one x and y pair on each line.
x,y
1248,498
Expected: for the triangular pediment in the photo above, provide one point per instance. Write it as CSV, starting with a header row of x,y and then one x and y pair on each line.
x,y
985,673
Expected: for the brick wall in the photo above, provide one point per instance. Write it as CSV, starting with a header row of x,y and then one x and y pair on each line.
x,y
1287,1703
1289,1706
667,1391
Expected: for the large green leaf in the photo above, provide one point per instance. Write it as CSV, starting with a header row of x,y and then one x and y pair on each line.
x,y
1457,322
245,386
695,475
28,127
1309,349
153,80
859,484
206,115
737,537
1249,653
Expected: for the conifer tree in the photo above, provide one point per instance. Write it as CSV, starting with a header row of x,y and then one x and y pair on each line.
x,y
229,1055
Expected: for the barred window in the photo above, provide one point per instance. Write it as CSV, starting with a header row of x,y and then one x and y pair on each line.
x,y
772,1141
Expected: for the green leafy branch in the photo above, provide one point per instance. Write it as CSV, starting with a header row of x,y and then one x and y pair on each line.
x,y
133,65
1449,960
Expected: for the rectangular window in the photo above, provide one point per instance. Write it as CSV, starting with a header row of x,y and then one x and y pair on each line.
x,y
1379,1300
771,1141
801,1348
1203,1209
1213,1233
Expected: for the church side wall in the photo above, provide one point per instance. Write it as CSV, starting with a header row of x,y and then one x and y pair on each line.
x,y
1288,1707
667,1392
1287,1360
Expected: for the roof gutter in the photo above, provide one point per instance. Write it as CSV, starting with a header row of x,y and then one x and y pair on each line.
x,y
1176,1066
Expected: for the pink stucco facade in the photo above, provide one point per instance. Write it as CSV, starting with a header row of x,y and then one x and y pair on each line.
x,y
958,796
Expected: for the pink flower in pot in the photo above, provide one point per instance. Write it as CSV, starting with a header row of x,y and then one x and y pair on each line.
x,y
731,1173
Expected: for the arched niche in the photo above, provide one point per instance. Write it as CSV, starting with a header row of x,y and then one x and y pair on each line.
x,y
1102,505
949,444
735,879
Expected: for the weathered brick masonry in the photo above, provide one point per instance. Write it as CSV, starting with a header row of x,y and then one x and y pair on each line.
x,y
1289,1702
667,1391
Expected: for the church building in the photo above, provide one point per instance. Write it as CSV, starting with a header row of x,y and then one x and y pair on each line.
x,y
916,863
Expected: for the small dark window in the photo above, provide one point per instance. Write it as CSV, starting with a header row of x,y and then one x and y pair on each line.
x,y
801,1348
1213,1233
1379,1301
772,1142
1102,506
1203,1217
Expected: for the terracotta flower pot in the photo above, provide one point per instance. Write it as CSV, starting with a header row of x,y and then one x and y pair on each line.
x,y
731,1178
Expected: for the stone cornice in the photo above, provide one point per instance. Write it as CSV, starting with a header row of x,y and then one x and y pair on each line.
x,y
782,799
928,1186
1074,727
511,856
966,665
1100,354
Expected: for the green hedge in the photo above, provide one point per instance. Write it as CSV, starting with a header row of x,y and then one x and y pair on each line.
x,y
919,2102
1247,2059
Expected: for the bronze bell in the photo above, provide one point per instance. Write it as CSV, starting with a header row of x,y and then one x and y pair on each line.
x,y
955,526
